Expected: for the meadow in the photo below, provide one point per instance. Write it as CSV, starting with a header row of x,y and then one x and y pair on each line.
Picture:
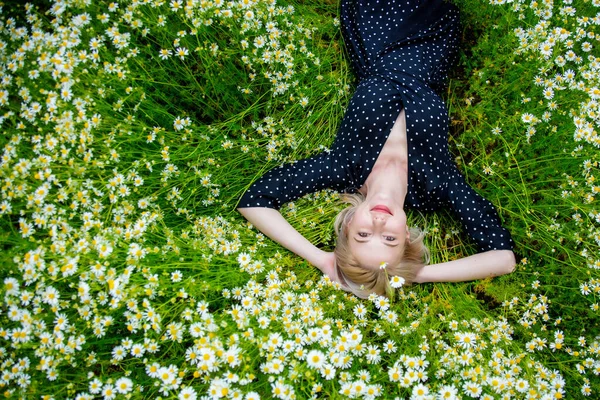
x,y
130,129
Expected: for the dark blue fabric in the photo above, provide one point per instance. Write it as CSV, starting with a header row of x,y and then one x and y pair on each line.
x,y
401,51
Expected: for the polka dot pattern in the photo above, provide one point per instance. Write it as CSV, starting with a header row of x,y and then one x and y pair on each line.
x,y
401,51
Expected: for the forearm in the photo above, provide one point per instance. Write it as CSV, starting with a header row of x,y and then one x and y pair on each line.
x,y
478,266
270,222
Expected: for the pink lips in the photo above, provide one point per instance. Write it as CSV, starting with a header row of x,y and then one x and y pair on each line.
x,y
381,208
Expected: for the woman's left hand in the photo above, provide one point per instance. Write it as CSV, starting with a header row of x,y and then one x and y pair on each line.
x,y
327,265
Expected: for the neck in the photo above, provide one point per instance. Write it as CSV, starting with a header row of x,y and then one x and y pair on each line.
x,y
388,180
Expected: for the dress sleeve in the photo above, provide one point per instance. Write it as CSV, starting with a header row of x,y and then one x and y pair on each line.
x,y
291,181
478,216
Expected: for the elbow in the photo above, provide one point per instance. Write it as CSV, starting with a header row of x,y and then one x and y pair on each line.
x,y
509,262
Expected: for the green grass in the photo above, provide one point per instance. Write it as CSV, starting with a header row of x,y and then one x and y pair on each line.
x,y
128,273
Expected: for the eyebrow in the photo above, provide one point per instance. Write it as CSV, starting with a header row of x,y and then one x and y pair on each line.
x,y
364,241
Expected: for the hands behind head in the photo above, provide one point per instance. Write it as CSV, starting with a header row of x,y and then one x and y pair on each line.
x,y
327,266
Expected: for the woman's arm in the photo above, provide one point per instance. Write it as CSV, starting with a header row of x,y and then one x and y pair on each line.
x,y
270,222
478,266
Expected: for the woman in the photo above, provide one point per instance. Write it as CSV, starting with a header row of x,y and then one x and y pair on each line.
x,y
392,148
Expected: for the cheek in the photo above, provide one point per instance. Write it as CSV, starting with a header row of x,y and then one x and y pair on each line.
x,y
356,221
399,226
402,222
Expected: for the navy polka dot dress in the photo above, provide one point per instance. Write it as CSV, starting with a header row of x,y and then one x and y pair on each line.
x,y
400,50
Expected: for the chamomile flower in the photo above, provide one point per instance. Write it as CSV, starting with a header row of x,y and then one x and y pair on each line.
x,y
397,281
123,385
315,359
176,276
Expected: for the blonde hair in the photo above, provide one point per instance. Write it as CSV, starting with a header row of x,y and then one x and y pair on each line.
x,y
363,281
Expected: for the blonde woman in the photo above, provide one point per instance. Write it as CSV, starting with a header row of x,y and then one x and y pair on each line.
x,y
390,152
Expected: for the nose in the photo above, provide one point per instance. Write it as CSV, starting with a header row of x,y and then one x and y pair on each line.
x,y
378,219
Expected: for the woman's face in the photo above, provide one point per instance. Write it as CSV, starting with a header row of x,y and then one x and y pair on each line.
x,y
377,233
